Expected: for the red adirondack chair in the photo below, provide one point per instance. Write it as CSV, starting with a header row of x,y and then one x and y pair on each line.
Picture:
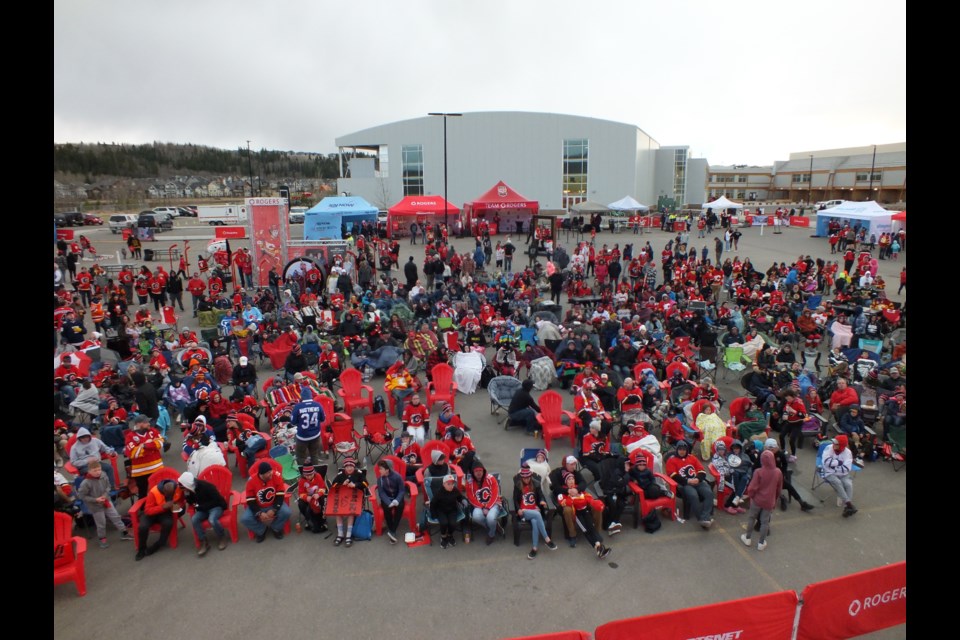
x,y
222,479
409,507
68,554
646,505
352,392
165,473
551,419
442,388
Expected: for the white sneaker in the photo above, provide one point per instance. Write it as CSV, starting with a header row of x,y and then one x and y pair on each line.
x,y
736,501
839,502
761,545
745,540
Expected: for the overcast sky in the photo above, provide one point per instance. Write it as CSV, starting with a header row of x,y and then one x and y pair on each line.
x,y
744,81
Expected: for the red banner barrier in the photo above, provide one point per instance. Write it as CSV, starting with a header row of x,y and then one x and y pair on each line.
x,y
230,232
854,605
679,226
560,635
799,221
721,621
64,234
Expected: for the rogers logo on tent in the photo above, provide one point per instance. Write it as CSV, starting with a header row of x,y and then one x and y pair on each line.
x,y
729,635
502,191
420,203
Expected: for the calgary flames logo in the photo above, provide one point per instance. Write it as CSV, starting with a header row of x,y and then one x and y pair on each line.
x,y
483,495
266,495
502,191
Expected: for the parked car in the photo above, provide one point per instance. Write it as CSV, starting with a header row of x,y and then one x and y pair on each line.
x,y
60,220
89,219
297,215
170,212
72,219
152,219
187,212
827,204
120,221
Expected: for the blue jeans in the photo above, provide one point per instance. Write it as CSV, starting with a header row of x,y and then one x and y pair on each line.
x,y
527,415
69,393
212,516
400,395
112,436
250,522
535,518
490,520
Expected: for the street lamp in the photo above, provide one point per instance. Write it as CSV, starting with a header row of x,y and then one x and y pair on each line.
x,y
810,184
250,168
873,163
445,205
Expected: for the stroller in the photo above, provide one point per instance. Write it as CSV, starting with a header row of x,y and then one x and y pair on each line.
x,y
501,390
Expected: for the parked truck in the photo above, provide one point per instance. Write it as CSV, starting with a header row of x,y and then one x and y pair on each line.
x,y
220,214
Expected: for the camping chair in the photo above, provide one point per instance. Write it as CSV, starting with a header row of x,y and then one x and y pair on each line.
x,y
222,479
731,356
895,448
409,507
352,392
377,434
445,323
501,390
68,554
434,485
819,477
502,518
550,419
286,489
346,441
528,336
288,463
441,388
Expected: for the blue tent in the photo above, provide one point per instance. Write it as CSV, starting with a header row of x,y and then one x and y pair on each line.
x,y
323,220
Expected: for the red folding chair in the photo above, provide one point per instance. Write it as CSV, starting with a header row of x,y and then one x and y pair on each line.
x,y
169,316
377,434
346,440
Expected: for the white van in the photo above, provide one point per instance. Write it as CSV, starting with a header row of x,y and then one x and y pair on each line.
x,y
826,204
121,221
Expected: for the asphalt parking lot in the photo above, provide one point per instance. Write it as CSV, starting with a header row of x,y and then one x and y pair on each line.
x,y
303,585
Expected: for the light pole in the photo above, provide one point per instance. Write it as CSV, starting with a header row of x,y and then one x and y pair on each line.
x,y
445,205
250,168
873,163
810,188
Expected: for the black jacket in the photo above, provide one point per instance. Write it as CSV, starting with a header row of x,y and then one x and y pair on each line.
x,y
518,491
521,400
205,497
410,271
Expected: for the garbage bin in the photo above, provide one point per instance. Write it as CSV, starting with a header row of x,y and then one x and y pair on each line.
x,y
148,255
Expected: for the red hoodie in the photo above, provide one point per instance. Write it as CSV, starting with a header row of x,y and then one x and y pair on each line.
x,y
483,494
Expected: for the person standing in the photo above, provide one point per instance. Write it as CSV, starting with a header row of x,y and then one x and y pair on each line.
x,y
903,280
718,248
175,289
410,272
307,416
94,490
391,492
764,491
208,506
414,230
143,447
508,251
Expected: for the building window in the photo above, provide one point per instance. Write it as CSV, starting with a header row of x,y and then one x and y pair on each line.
x,y
575,161
741,178
679,174
740,195
412,170
801,177
383,162
865,176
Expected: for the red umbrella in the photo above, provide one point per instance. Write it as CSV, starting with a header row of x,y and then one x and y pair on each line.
x,y
78,359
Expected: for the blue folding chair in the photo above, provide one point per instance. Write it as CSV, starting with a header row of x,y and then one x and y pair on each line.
x,y
813,302
528,335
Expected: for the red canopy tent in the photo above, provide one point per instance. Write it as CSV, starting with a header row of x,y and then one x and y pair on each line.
x,y
511,208
899,217
416,208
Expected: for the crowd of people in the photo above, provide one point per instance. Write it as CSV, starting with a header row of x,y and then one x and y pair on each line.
x,y
636,348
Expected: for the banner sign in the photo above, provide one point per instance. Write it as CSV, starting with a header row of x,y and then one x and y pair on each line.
x,y
64,234
758,221
322,225
230,232
344,501
854,605
772,620
799,221
267,221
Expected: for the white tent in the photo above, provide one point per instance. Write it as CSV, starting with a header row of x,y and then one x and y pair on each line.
x,y
628,204
589,207
873,216
721,204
